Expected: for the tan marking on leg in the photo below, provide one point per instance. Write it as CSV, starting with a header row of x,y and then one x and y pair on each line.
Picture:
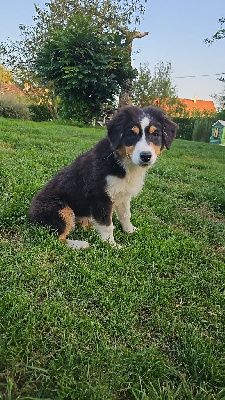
x,y
67,215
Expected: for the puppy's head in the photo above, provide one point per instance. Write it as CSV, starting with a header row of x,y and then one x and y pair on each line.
x,y
141,134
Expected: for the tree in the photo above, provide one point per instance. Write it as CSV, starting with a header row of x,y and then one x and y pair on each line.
x,y
5,75
125,96
156,89
220,34
220,98
87,67
112,16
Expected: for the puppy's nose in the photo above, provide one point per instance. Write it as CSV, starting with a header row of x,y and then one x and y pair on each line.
x,y
145,156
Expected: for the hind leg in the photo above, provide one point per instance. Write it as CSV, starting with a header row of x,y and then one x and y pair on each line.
x,y
68,217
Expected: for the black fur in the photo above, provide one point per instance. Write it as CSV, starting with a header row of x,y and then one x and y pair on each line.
x,y
82,185
121,122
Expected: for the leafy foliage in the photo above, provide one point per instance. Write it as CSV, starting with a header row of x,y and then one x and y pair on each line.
x,y
196,128
11,107
40,112
221,114
87,67
111,14
186,126
220,34
112,17
220,98
5,75
156,88
202,129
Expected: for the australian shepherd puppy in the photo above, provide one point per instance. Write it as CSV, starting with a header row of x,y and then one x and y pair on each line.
x,y
106,177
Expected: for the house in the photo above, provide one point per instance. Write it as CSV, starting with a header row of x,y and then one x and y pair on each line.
x,y
187,107
218,132
10,89
192,107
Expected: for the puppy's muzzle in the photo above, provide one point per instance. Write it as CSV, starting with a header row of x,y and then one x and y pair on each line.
x,y
145,157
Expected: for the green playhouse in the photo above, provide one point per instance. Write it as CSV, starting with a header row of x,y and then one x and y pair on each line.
x,y
218,132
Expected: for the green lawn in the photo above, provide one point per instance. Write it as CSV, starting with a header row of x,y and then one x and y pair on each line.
x,y
143,322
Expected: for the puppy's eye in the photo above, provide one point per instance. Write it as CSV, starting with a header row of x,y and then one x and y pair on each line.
x,y
153,130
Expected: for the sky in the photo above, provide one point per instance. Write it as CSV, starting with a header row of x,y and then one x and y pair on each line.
x,y
177,29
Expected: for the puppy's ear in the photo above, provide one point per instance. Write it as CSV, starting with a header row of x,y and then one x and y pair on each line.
x,y
115,129
169,132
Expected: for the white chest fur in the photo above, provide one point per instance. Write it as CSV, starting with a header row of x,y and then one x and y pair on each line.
x,y
129,186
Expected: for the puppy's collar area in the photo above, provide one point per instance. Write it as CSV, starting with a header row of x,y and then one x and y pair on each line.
x,y
113,155
117,158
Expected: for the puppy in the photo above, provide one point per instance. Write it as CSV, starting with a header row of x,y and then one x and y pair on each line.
x,y
106,177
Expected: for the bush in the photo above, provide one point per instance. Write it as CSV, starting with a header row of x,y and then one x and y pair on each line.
x,y
40,112
11,107
203,129
186,126
220,115
197,129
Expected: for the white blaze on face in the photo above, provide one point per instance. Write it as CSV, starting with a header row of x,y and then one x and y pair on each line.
x,y
142,144
144,123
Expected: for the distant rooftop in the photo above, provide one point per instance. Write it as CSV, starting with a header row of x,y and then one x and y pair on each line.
x,y
11,89
201,105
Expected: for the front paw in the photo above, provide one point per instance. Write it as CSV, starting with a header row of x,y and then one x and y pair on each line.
x,y
77,244
130,229
116,246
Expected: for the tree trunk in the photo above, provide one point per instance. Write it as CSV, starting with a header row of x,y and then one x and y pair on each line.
x,y
125,96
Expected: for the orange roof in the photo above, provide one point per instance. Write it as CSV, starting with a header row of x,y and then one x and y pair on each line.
x,y
11,89
200,105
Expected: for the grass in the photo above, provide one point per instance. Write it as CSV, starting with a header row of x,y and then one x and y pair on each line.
x,y
145,322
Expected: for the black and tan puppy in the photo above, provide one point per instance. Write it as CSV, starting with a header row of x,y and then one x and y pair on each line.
x,y
106,177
